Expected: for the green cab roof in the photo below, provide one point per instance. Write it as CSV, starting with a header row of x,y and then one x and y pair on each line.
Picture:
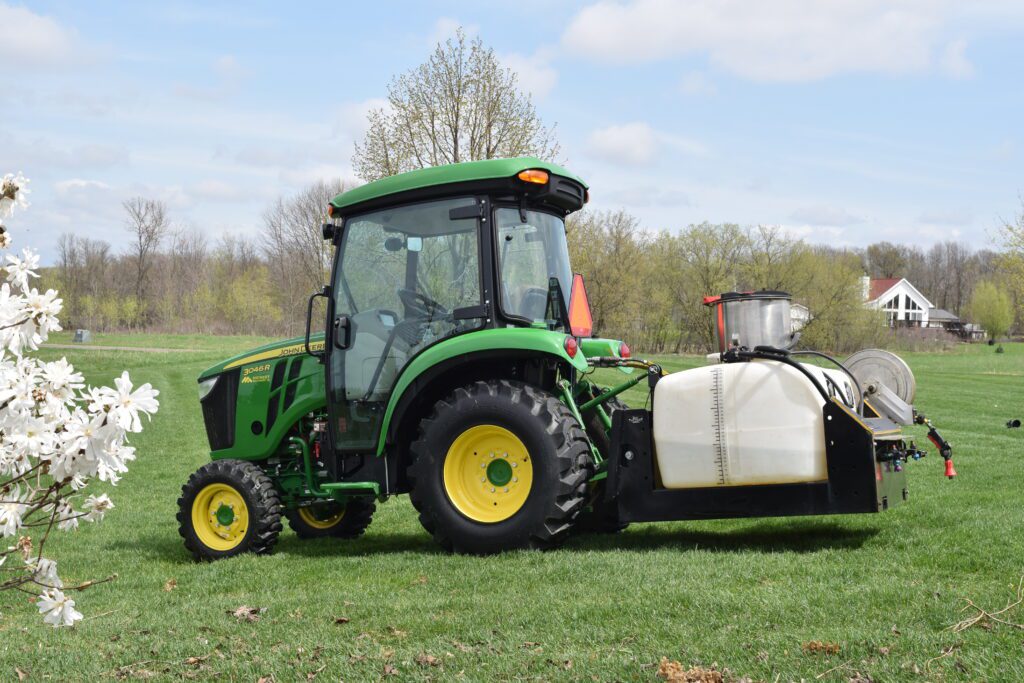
x,y
468,171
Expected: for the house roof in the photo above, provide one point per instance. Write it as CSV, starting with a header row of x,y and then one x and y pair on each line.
x,y
880,286
941,314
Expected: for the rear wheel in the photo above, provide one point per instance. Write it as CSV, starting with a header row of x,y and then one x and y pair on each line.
x,y
229,507
497,466
332,519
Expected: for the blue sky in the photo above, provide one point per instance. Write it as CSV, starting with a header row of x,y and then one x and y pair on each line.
x,y
845,121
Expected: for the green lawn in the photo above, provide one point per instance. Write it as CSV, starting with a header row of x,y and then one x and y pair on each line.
x,y
743,594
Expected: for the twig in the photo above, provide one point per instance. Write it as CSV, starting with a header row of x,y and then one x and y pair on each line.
x,y
838,666
946,651
993,616
101,614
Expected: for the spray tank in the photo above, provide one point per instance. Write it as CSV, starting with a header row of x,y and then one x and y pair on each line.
x,y
756,415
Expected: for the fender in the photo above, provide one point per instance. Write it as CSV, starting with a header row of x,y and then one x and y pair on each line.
x,y
506,339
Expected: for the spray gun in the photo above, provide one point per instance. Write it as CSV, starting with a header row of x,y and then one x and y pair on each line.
x,y
945,450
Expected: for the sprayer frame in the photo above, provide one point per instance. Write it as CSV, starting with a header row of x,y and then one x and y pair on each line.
x,y
856,481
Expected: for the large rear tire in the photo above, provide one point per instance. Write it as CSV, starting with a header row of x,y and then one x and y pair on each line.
x,y
499,465
332,520
229,507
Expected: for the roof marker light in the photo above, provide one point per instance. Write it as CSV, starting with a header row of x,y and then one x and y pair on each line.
x,y
534,175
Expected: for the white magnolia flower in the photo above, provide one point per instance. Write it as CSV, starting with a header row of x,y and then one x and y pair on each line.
x,y
12,507
67,518
61,378
13,193
46,573
58,609
33,437
19,270
55,435
126,404
96,507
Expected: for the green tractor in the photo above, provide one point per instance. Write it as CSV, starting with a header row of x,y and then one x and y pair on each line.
x,y
454,364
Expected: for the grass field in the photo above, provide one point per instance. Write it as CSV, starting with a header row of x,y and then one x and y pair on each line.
x,y
746,595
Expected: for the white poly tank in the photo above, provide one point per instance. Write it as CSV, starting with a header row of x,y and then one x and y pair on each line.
x,y
741,424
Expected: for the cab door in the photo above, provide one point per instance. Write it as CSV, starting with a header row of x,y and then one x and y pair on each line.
x,y
400,274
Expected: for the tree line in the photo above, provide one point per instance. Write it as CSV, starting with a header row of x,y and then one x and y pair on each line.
x,y
645,286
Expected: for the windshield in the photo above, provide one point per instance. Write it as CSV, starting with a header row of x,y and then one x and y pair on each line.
x,y
530,254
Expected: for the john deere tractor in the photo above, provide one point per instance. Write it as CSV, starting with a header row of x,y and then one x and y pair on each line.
x,y
454,365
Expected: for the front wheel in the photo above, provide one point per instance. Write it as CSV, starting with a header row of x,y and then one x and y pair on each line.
x,y
229,507
499,465
332,519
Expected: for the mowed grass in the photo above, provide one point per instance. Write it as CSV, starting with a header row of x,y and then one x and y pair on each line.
x,y
743,594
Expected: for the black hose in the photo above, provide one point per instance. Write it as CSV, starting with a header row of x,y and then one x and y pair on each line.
x,y
782,356
859,407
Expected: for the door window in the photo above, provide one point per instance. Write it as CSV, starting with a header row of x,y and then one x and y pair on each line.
x,y
401,273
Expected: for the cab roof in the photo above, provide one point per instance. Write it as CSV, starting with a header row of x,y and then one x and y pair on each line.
x,y
435,176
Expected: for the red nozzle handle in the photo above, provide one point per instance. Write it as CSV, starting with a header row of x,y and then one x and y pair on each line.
x,y
950,470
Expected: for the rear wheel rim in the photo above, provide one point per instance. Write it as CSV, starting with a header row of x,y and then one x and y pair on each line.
x,y
321,519
488,473
220,516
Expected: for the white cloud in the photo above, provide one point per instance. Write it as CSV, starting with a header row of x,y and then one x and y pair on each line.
x,y
822,215
954,60
229,68
696,83
638,144
629,143
351,120
447,27
786,40
228,75
29,40
66,188
218,191
535,73
959,217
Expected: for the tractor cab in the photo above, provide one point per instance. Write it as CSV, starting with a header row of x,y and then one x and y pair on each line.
x,y
436,262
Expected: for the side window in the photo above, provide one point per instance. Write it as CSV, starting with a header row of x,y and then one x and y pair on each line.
x,y
372,273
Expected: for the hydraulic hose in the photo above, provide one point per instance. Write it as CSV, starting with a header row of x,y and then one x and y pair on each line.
x,y
859,407
780,355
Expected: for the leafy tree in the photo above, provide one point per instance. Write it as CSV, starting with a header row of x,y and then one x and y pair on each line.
x,y
887,260
459,105
992,308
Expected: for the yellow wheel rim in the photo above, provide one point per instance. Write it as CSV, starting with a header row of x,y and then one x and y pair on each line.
x,y
488,473
309,516
220,517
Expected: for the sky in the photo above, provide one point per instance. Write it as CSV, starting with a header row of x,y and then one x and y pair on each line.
x,y
843,121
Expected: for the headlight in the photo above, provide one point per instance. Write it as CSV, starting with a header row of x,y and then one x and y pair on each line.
x,y
206,386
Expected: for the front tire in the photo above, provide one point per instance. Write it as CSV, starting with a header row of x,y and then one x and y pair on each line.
x,y
332,519
229,507
499,465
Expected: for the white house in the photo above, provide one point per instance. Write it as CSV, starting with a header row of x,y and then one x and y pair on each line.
x,y
903,304
799,316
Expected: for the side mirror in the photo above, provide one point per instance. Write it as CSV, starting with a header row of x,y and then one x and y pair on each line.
x,y
327,230
323,293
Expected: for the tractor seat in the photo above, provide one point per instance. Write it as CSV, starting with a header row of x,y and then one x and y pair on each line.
x,y
533,303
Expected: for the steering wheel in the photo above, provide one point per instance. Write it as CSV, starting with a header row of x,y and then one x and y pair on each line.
x,y
421,305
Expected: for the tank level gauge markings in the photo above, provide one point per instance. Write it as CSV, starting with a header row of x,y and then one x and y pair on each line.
x,y
720,444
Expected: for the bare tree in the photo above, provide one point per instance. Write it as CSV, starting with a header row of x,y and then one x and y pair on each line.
x,y
148,225
459,105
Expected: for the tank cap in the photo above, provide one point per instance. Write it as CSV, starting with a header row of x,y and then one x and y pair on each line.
x,y
759,294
